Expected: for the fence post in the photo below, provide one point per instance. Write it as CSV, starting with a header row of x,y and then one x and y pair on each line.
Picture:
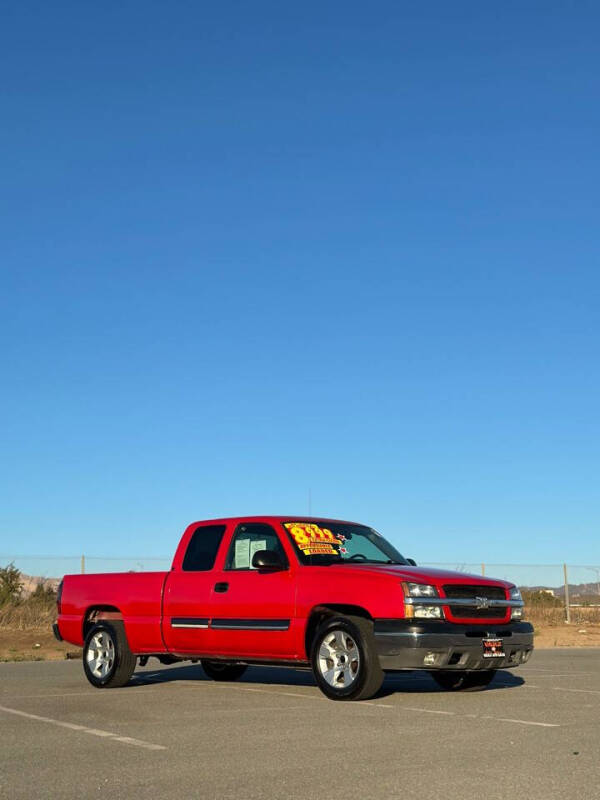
x,y
567,606
483,569
82,564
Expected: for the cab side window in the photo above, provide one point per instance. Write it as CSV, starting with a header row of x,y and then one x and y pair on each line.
x,y
202,550
248,539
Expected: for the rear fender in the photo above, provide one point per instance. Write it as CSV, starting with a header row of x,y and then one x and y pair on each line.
x,y
100,613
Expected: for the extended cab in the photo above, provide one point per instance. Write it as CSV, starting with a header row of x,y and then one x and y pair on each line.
x,y
330,595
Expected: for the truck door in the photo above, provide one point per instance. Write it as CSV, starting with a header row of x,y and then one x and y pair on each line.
x,y
187,596
252,610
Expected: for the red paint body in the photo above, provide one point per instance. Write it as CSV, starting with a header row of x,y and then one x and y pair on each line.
x,y
148,601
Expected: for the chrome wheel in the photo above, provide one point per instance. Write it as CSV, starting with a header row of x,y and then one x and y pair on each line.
x,y
338,659
100,654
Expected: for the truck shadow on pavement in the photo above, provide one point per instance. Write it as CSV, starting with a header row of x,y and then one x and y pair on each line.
x,y
417,682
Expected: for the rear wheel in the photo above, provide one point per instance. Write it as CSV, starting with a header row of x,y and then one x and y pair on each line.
x,y
344,659
223,670
460,681
107,660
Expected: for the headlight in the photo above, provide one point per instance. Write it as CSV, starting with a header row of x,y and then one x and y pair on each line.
x,y
418,608
515,594
420,590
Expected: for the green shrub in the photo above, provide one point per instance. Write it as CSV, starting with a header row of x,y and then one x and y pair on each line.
x,y
43,593
11,587
537,598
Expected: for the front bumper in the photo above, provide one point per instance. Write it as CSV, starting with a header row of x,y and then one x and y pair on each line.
x,y
431,645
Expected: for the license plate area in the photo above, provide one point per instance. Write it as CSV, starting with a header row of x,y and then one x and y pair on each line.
x,y
493,648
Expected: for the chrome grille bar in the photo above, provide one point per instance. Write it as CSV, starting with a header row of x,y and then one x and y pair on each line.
x,y
463,601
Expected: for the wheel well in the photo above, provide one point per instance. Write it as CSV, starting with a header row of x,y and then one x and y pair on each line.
x,y
320,613
96,613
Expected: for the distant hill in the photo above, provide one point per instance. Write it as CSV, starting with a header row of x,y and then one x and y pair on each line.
x,y
587,590
575,590
30,582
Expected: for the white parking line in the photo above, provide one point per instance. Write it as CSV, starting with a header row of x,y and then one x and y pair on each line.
x,y
261,691
554,688
397,706
94,693
529,668
264,690
524,722
549,673
115,737
240,711
376,705
517,686
562,675
427,710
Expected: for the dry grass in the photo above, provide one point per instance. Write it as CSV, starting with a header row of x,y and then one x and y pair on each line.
x,y
30,614
38,613
26,628
541,616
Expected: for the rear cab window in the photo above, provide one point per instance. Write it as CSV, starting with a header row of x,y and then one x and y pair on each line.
x,y
202,548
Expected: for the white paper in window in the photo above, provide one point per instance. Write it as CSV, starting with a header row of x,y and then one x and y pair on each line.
x,y
242,553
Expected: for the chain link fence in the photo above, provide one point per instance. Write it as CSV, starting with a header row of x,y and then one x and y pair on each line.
x,y
52,567
557,592
553,593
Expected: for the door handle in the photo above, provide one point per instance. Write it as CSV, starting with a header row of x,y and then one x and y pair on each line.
x,y
221,587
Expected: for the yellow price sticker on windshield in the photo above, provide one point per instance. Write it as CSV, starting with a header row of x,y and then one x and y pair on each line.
x,y
313,540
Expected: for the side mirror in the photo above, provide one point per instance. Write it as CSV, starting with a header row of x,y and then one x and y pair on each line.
x,y
267,560
412,562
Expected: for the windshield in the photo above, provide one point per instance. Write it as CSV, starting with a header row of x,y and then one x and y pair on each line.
x,y
321,543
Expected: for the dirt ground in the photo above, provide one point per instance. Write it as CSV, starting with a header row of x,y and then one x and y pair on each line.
x,y
567,636
40,645
34,645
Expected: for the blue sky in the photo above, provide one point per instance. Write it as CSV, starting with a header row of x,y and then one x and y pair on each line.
x,y
250,250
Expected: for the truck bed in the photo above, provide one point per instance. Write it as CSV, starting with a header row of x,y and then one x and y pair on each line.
x,y
137,595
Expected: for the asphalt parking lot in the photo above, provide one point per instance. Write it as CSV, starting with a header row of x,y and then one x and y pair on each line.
x,y
534,733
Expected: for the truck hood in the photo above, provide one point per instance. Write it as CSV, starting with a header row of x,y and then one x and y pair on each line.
x,y
416,574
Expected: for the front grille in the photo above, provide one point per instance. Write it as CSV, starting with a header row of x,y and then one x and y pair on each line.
x,y
468,591
459,590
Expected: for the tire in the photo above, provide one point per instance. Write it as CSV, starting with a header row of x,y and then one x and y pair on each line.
x,y
460,681
107,660
344,659
223,670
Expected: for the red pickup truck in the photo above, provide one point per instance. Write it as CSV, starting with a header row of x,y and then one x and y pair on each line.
x,y
326,594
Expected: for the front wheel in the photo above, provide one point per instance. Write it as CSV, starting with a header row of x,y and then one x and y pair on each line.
x,y
222,670
461,681
344,659
107,660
